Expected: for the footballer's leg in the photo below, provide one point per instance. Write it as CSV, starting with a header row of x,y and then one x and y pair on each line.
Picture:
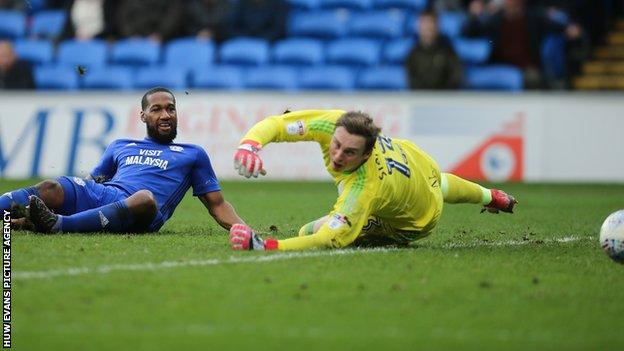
x,y
134,213
50,191
457,190
312,227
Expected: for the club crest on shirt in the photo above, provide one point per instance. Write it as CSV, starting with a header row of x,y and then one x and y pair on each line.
x,y
295,128
337,221
176,148
79,181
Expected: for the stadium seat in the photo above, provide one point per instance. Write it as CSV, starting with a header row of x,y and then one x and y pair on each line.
x,y
472,51
48,24
12,24
396,51
219,77
377,24
327,78
359,52
90,53
168,77
304,4
552,52
451,23
135,52
359,5
382,78
56,78
189,53
298,52
244,51
34,51
326,24
109,77
494,77
411,5
271,77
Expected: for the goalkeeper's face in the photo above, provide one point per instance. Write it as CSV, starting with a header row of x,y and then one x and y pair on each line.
x,y
160,117
346,151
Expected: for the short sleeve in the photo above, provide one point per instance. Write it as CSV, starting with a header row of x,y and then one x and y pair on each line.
x,y
203,178
107,167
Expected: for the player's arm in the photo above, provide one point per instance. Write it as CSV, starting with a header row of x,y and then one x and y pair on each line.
x,y
106,167
306,125
221,210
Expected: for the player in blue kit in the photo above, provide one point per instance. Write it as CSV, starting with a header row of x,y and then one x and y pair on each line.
x,y
135,187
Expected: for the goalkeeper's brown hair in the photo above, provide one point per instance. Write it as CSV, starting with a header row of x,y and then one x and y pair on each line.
x,y
360,123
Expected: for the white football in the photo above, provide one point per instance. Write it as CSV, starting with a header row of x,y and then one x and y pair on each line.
x,y
612,236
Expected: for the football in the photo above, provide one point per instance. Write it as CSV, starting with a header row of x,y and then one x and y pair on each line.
x,y
612,236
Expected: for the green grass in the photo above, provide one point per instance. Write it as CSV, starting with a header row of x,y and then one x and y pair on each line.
x,y
480,282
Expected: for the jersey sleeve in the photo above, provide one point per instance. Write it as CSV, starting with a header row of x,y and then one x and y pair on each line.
x,y
305,125
346,220
203,177
107,167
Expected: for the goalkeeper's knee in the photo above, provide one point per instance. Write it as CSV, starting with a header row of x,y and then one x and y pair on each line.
x,y
307,229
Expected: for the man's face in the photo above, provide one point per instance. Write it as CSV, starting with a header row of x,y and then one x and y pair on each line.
x,y
427,29
160,117
7,57
346,151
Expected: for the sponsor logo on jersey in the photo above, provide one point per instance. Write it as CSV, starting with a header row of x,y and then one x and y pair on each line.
x,y
79,181
176,148
295,128
337,221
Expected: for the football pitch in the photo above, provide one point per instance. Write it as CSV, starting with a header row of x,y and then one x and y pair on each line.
x,y
534,280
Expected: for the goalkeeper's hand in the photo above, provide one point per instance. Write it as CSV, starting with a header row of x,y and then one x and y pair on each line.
x,y
242,237
246,159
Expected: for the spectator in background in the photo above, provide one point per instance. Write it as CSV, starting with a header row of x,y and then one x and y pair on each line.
x,y
432,62
89,19
158,20
516,31
258,18
206,19
14,73
15,5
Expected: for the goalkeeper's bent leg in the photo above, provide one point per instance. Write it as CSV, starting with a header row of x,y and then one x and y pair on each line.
x,y
312,227
457,190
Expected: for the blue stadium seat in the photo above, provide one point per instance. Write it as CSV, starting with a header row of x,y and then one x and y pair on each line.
x,y
271,77
244,51
339,78
224,77
360,52
451,23
48,24
494,77
298,52
325,24
382,78
472,51
35,6
168,77
377,24
56,78
412,5
347,4
135,52
304,4
90,53
12,24
396,51
109,78
34,51
189,53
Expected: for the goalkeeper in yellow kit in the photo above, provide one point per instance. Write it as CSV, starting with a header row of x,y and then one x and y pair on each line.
x,y
390,191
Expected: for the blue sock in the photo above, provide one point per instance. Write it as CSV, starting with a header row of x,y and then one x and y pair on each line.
x,y
19,196
114,217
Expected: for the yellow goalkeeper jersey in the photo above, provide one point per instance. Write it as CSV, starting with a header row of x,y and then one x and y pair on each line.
x,y
399,183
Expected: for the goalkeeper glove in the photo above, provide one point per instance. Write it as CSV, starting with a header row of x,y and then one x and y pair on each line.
x,y
246,159
242,237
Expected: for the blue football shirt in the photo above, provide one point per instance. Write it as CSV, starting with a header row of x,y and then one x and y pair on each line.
x,y
167,170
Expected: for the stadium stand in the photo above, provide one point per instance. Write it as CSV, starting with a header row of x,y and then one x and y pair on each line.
x,y
36,52
48,24
56,78
494,77
245,51
327,78
189,53
12,24
353,52
382,78
151,76
135,52
92,53
224,77
109,77
298,52
271,78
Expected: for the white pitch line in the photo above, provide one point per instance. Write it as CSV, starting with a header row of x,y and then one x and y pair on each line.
x,y
151,266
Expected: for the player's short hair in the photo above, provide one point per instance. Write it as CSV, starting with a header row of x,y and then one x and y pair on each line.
x,y
154,91
360,123
429,13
